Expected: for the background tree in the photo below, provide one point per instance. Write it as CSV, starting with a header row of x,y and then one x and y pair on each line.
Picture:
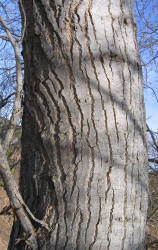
x,y
84,152
146,14
17,203
9,12
147,19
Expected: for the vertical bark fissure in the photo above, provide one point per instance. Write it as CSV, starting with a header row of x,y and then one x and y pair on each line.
x,y
79,231
132,189
76,208
112,22
57,237
110,160
72,129
90,179
110,65
80,56
125,219
134,218
92,105
96,227
70,24
59,162
110,95
140,190
56,126
65,57
102,63
125,23
91,19
76,4
93,65
110,221
102,60
59,165
90,53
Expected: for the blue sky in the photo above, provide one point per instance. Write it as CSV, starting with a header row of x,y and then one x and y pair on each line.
x,y
150,14
151,110
151,104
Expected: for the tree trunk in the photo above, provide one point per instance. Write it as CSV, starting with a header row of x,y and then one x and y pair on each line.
x,y
84,156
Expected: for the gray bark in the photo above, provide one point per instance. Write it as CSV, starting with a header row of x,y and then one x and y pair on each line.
x,y
84,156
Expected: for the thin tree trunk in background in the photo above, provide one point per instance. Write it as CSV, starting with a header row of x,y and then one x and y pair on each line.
x,y
84,157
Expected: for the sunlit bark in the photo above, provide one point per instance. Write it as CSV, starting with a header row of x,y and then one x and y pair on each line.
x,y
84,152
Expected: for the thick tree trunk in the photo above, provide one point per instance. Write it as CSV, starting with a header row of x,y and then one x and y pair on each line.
x,y
84,157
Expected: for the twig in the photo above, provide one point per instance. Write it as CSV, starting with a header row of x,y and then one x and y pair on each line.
x,y
5,210
152,243
42,223
24,23
153,160
4,101
152,136
152,213
4,38
15,198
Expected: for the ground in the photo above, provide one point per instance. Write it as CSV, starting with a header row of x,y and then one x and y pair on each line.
x,y
6,221
14,156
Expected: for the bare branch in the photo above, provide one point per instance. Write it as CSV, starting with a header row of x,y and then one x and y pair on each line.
x,y
17,104
152,213
153,91
152,243
4,37
154,172
6,210
8,69
11,39
24,22
153,160
4,8
3,102
15,197
152,136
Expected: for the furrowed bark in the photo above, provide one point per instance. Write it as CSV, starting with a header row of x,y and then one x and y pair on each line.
x,y
84,156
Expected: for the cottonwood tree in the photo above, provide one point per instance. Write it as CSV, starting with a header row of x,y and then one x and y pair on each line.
x,y
84,154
